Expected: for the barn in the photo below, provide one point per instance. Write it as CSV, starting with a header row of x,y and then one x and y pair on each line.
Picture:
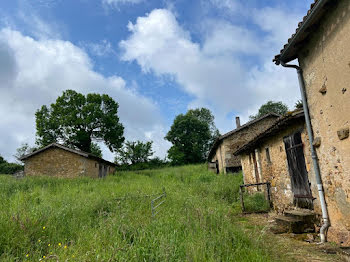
x,y
221,158
57,160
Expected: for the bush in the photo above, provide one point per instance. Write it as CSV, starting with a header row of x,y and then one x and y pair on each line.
x,y
10,168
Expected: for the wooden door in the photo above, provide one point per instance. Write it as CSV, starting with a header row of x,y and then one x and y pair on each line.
x,y
100,170
297,171
256,171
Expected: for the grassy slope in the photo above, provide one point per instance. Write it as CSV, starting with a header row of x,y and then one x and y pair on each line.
x,y
198,221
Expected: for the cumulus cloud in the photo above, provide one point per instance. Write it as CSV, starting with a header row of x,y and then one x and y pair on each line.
x,y
34,72
214,73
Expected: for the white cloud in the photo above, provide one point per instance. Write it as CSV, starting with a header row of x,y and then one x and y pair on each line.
x,y
35,72
103,48
216,72
116,3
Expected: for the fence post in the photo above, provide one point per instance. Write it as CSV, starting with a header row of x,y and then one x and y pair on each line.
x,y
241,197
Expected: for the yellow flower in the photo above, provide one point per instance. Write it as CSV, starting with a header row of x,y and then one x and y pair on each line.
x,y
49,245
27,255
73,256
59,244
44,228
39,240
65,246
44,257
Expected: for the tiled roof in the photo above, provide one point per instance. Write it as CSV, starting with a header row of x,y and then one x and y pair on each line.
x,y
282,123
78,152
218,141
289,51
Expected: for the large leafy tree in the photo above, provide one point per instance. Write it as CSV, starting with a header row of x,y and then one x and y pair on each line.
x,y
77,120
271,107
191,134
23,150
134,152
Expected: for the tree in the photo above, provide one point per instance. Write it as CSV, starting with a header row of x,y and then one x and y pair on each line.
x,y
77,120
271,107
192,135
134,153
95,149
23,150
9,168
204,115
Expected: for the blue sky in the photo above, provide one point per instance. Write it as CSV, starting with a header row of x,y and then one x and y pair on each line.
x,y
156,58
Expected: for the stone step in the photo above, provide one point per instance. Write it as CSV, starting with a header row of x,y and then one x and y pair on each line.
x,y
293,225
305,215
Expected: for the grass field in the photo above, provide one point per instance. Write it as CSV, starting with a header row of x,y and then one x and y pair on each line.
x,y
85,219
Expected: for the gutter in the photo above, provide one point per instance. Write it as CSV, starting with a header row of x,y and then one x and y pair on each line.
x,y
305,24
325,217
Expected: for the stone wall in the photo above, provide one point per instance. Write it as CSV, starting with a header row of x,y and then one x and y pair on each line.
x,y
224,152
325,60
61,163
275,171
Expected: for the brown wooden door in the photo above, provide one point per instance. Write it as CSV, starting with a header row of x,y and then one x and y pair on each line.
x,y
297,171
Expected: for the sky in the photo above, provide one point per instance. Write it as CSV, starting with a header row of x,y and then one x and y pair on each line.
x,y
156,58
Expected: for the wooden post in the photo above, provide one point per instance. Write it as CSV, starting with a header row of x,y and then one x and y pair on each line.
x,y
241,197
268,185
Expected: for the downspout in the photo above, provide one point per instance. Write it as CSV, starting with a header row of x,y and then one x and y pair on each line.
x,y
325,217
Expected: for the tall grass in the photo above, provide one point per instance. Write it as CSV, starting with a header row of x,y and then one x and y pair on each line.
x,y
86,220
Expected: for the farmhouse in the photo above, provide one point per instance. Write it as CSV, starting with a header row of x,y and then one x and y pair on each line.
x,y
279,156
221,158
60,161
321,45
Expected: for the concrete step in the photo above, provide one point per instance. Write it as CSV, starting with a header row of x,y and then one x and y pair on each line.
x,y
295,225
305,215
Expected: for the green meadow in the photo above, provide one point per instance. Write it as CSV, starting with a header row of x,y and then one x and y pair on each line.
x,y
110,219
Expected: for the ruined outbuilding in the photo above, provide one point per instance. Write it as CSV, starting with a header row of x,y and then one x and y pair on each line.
x,y
281,157
59,161
321,45
221,158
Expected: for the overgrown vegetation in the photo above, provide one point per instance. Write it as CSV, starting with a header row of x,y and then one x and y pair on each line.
x,y
85,220
9,168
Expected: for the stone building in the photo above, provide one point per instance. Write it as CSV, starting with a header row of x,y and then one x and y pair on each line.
x,y
321,46
280,156
221,158
60,161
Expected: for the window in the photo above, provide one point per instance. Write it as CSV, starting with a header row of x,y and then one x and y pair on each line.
x,y
268,158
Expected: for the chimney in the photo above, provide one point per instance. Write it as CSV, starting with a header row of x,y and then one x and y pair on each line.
x,y
238,122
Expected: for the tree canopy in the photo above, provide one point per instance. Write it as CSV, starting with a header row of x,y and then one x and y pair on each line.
x,y
134,152
77,120
191,134
271,107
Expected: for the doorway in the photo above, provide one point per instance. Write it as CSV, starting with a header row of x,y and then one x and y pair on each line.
x,y
297,171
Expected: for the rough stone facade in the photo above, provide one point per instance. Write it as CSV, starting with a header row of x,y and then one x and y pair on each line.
x,y
325,60
222,152
58,162
274,168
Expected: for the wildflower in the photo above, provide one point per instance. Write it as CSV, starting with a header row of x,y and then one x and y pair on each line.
x,y
59,244
44,257
44,228
49,245
27,255
39,240
65,246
